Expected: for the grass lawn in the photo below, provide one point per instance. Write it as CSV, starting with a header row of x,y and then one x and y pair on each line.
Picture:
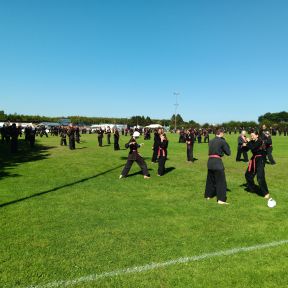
x,y
66,215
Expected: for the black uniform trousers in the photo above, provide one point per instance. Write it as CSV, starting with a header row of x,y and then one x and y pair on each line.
x,y
155,154
63,142
260,172
239,153
72,143
108,138
100,141
161,165
140,161
190,156
269,155
216,185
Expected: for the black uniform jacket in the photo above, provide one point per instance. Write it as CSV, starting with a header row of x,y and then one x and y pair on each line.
x,y
133,153
217,146
162,150
257,147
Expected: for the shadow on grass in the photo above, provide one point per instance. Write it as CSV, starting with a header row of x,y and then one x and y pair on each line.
x,y
24,154
59,187
136,173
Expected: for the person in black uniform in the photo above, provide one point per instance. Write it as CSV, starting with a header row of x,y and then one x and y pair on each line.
x,y
240,150
216,181
267,139
100,133
156,144
190,145
32,136
108,132
256,165
77,134
134,156
14,138
162,154
71,135
63,135
116,140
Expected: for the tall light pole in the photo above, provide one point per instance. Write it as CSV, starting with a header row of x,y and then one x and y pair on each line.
x,y
176,94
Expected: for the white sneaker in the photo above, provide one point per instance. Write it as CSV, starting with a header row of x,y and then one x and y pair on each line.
x,y
121,176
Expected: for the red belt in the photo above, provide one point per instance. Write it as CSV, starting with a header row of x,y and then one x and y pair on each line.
x,y
214,156
159,152
252,163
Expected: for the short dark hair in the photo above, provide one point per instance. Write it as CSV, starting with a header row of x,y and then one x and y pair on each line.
x,y
219,131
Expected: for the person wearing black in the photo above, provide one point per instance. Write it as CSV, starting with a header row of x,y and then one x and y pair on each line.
x,y
156,144
14,138
63,134
206,136
108,132
134,156
116,140
162,154
256,165
240,150
32,136
100,133
77,134
216,181
266,137
71,135
190,145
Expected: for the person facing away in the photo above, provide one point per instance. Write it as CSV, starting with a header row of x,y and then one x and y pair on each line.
x,y
162,154
256,165
134,156
240,150
190,145
216,181
116,140
156,144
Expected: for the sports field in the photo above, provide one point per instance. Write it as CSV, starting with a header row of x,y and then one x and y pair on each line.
x,y
67,220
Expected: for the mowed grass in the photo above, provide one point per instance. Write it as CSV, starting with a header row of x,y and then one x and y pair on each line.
x,y
65,214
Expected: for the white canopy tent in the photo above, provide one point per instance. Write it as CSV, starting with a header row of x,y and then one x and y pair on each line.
x,y
154,126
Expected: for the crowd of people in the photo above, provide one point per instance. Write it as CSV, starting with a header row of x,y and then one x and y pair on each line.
x,y
259,143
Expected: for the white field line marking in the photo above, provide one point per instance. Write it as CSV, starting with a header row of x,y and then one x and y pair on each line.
x,y
153,266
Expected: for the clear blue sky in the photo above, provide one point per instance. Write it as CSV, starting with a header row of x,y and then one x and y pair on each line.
x,y
228,59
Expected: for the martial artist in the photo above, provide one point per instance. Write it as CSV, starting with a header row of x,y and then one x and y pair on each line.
x,y
134,156
240,150
190,145
256,165
162,154
216,181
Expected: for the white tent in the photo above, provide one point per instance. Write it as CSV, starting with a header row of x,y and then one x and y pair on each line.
x,y
154,126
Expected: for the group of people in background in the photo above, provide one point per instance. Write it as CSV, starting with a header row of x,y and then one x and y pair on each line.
x,y
259,143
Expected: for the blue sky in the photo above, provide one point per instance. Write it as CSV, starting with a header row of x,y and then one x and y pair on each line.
x,y
228,59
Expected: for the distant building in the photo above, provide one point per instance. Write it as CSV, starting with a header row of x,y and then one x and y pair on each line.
x,y
64,121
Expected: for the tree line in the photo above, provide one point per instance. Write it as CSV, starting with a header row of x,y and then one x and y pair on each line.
x,y
271,119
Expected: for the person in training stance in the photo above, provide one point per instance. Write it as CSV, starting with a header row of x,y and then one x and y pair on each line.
x,y
216,181
256,165
134,156
162,154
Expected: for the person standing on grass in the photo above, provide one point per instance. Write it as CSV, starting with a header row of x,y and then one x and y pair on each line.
x,y
134,156
241,141
162,154
256,165
190,145
100,133
216,181
156,143
116,140
71,137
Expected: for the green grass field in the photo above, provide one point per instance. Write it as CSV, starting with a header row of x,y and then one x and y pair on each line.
x,y
66,215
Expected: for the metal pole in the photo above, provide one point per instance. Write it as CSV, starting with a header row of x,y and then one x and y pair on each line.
x,y
176,106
